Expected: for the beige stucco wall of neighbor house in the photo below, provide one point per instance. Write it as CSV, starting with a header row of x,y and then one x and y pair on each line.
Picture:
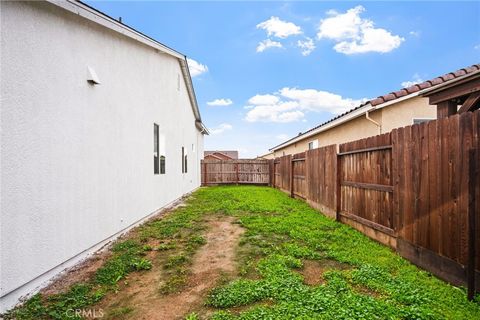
x,y
77,159
355,129
396,115
402,113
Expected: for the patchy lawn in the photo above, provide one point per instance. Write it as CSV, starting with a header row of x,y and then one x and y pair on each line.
x,y
252,253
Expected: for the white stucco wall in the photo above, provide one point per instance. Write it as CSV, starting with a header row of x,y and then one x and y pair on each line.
x,y
77,159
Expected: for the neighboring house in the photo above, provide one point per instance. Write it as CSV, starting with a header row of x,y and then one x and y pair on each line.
x,y
100,129
220,155
380,115
266,156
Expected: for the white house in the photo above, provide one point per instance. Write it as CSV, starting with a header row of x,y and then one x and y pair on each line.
x,y
100,129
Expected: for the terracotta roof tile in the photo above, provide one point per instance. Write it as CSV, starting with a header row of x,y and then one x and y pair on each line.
x,y
424,85
448,76
413,89
460,73
389,97
400,93
472,68
436,81
397,94
376,101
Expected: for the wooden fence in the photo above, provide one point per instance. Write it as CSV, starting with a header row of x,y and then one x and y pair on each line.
x,y
408,189
239,171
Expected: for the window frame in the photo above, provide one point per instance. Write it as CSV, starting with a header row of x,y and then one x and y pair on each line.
x,y
422,120
156,149
183,163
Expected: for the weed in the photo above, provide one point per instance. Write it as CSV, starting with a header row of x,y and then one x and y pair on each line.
x,y
280,233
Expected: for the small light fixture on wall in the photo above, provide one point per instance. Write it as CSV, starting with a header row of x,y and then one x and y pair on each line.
x,y
92,76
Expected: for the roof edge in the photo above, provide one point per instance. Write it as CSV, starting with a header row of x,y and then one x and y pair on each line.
x,y
387,100
97,16
359,111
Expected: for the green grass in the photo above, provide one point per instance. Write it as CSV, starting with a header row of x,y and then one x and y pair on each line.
x,y
280,235
127,256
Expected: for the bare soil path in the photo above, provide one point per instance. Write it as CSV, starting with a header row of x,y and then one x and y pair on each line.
x,y
212,261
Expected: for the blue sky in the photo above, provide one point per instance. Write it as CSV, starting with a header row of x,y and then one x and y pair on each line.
x,y
288,66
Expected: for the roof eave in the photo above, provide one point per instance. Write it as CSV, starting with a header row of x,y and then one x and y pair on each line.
x,y
466,77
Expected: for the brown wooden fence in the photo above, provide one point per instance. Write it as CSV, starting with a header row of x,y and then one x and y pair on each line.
x,y
408,189
239,171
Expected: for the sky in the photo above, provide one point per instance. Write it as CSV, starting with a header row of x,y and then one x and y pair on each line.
x,y
265,71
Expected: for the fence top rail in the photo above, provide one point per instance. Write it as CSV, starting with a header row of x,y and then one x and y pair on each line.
x,y
365,150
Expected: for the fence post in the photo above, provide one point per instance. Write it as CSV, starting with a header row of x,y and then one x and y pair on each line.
x,y
291,176
274,173
236,172
472,177
339,186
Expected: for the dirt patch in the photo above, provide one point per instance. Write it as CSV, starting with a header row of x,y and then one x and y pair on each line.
x,y
214,260
240,309
313,270
366,291
81,272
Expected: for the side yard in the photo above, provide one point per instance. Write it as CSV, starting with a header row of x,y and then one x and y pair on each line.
x,y
245,252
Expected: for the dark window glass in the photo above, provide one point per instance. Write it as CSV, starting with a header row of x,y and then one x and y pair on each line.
x,y
155,149
418,121
183,162
162,164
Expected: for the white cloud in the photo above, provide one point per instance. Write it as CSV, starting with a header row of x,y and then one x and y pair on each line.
x,y
282,136
196,68
279,28
477,47
265,44
306,45
320,101
220,102
354,34
221,128
291,104
263,99
415,79
415,33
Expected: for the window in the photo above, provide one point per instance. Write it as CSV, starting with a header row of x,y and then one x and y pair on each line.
x,y
162,154
183,162
162,164
420,120
313,144
186,163
155,149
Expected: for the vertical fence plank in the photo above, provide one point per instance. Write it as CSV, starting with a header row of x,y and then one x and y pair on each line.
x,y
471,224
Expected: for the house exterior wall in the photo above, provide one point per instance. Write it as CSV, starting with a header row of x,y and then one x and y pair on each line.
x,y
402,113
77,159
394,116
